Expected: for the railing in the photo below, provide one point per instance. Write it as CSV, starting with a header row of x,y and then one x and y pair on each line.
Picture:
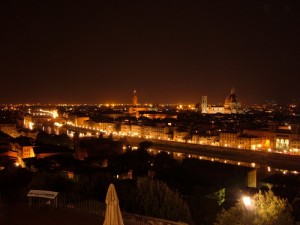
x,y
64,200
81,203
78,203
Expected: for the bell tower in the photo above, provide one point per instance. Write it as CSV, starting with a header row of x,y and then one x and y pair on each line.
x,y
204,104
134,98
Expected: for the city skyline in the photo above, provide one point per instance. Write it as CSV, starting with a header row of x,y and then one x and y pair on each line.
x,y
170,52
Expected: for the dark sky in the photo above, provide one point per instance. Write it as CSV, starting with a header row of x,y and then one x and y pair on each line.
x,y
170,51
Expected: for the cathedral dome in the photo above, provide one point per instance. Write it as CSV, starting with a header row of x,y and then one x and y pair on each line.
x,y
231,99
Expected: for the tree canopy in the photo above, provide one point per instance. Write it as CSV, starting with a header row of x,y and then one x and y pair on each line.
x,y
265,209
156,199
61,140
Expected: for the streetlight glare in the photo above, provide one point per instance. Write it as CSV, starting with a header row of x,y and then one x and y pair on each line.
x,y
247,200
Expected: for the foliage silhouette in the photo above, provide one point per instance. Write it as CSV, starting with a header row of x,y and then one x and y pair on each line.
x,y
265,209
155,198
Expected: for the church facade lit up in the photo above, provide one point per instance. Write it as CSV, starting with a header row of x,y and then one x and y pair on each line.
x,y
231,105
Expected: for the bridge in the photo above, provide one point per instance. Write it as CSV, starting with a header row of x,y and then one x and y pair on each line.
x,y
253,158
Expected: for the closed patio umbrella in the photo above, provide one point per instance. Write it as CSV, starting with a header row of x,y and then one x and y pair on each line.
x,y
113,213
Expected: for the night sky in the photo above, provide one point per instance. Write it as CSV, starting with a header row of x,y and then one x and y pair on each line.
x,y
170,51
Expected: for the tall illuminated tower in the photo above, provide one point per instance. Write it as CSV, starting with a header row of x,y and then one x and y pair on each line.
x,y
134,98
204,104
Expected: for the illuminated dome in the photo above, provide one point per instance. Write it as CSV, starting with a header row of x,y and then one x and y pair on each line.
x,y
232,102
232,98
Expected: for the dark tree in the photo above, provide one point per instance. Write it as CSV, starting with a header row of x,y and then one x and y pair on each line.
x,y
155,198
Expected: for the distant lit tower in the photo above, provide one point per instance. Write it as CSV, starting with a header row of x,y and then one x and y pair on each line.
x,y
134,98
204,104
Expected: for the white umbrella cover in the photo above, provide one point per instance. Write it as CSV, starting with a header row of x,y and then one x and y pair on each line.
x,y
113,213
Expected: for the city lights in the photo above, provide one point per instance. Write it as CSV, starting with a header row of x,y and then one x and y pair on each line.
x,y
191,109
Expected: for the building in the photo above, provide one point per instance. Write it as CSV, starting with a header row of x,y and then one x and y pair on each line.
x,y
246,141
155,115
231,105
27,152
295,146
135,109
282,138
24,147
150,112
79,121
234,139
180,135
134,98
136,130
204,104
228,139
125,129
8,154
10,129
205,139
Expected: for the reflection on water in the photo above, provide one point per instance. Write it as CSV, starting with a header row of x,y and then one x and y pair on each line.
x,y
262,168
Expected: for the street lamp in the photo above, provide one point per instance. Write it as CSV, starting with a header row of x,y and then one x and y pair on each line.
x,y
247,212
247,201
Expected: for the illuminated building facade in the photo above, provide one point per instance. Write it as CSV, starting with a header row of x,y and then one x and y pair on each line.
x,y
24,151
231,105
205,139
27,152
45,120
295,146
285,138
103,126
9,129
146,111
155,115
78,120
134,110
228,139
243,141
180,135
204,104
